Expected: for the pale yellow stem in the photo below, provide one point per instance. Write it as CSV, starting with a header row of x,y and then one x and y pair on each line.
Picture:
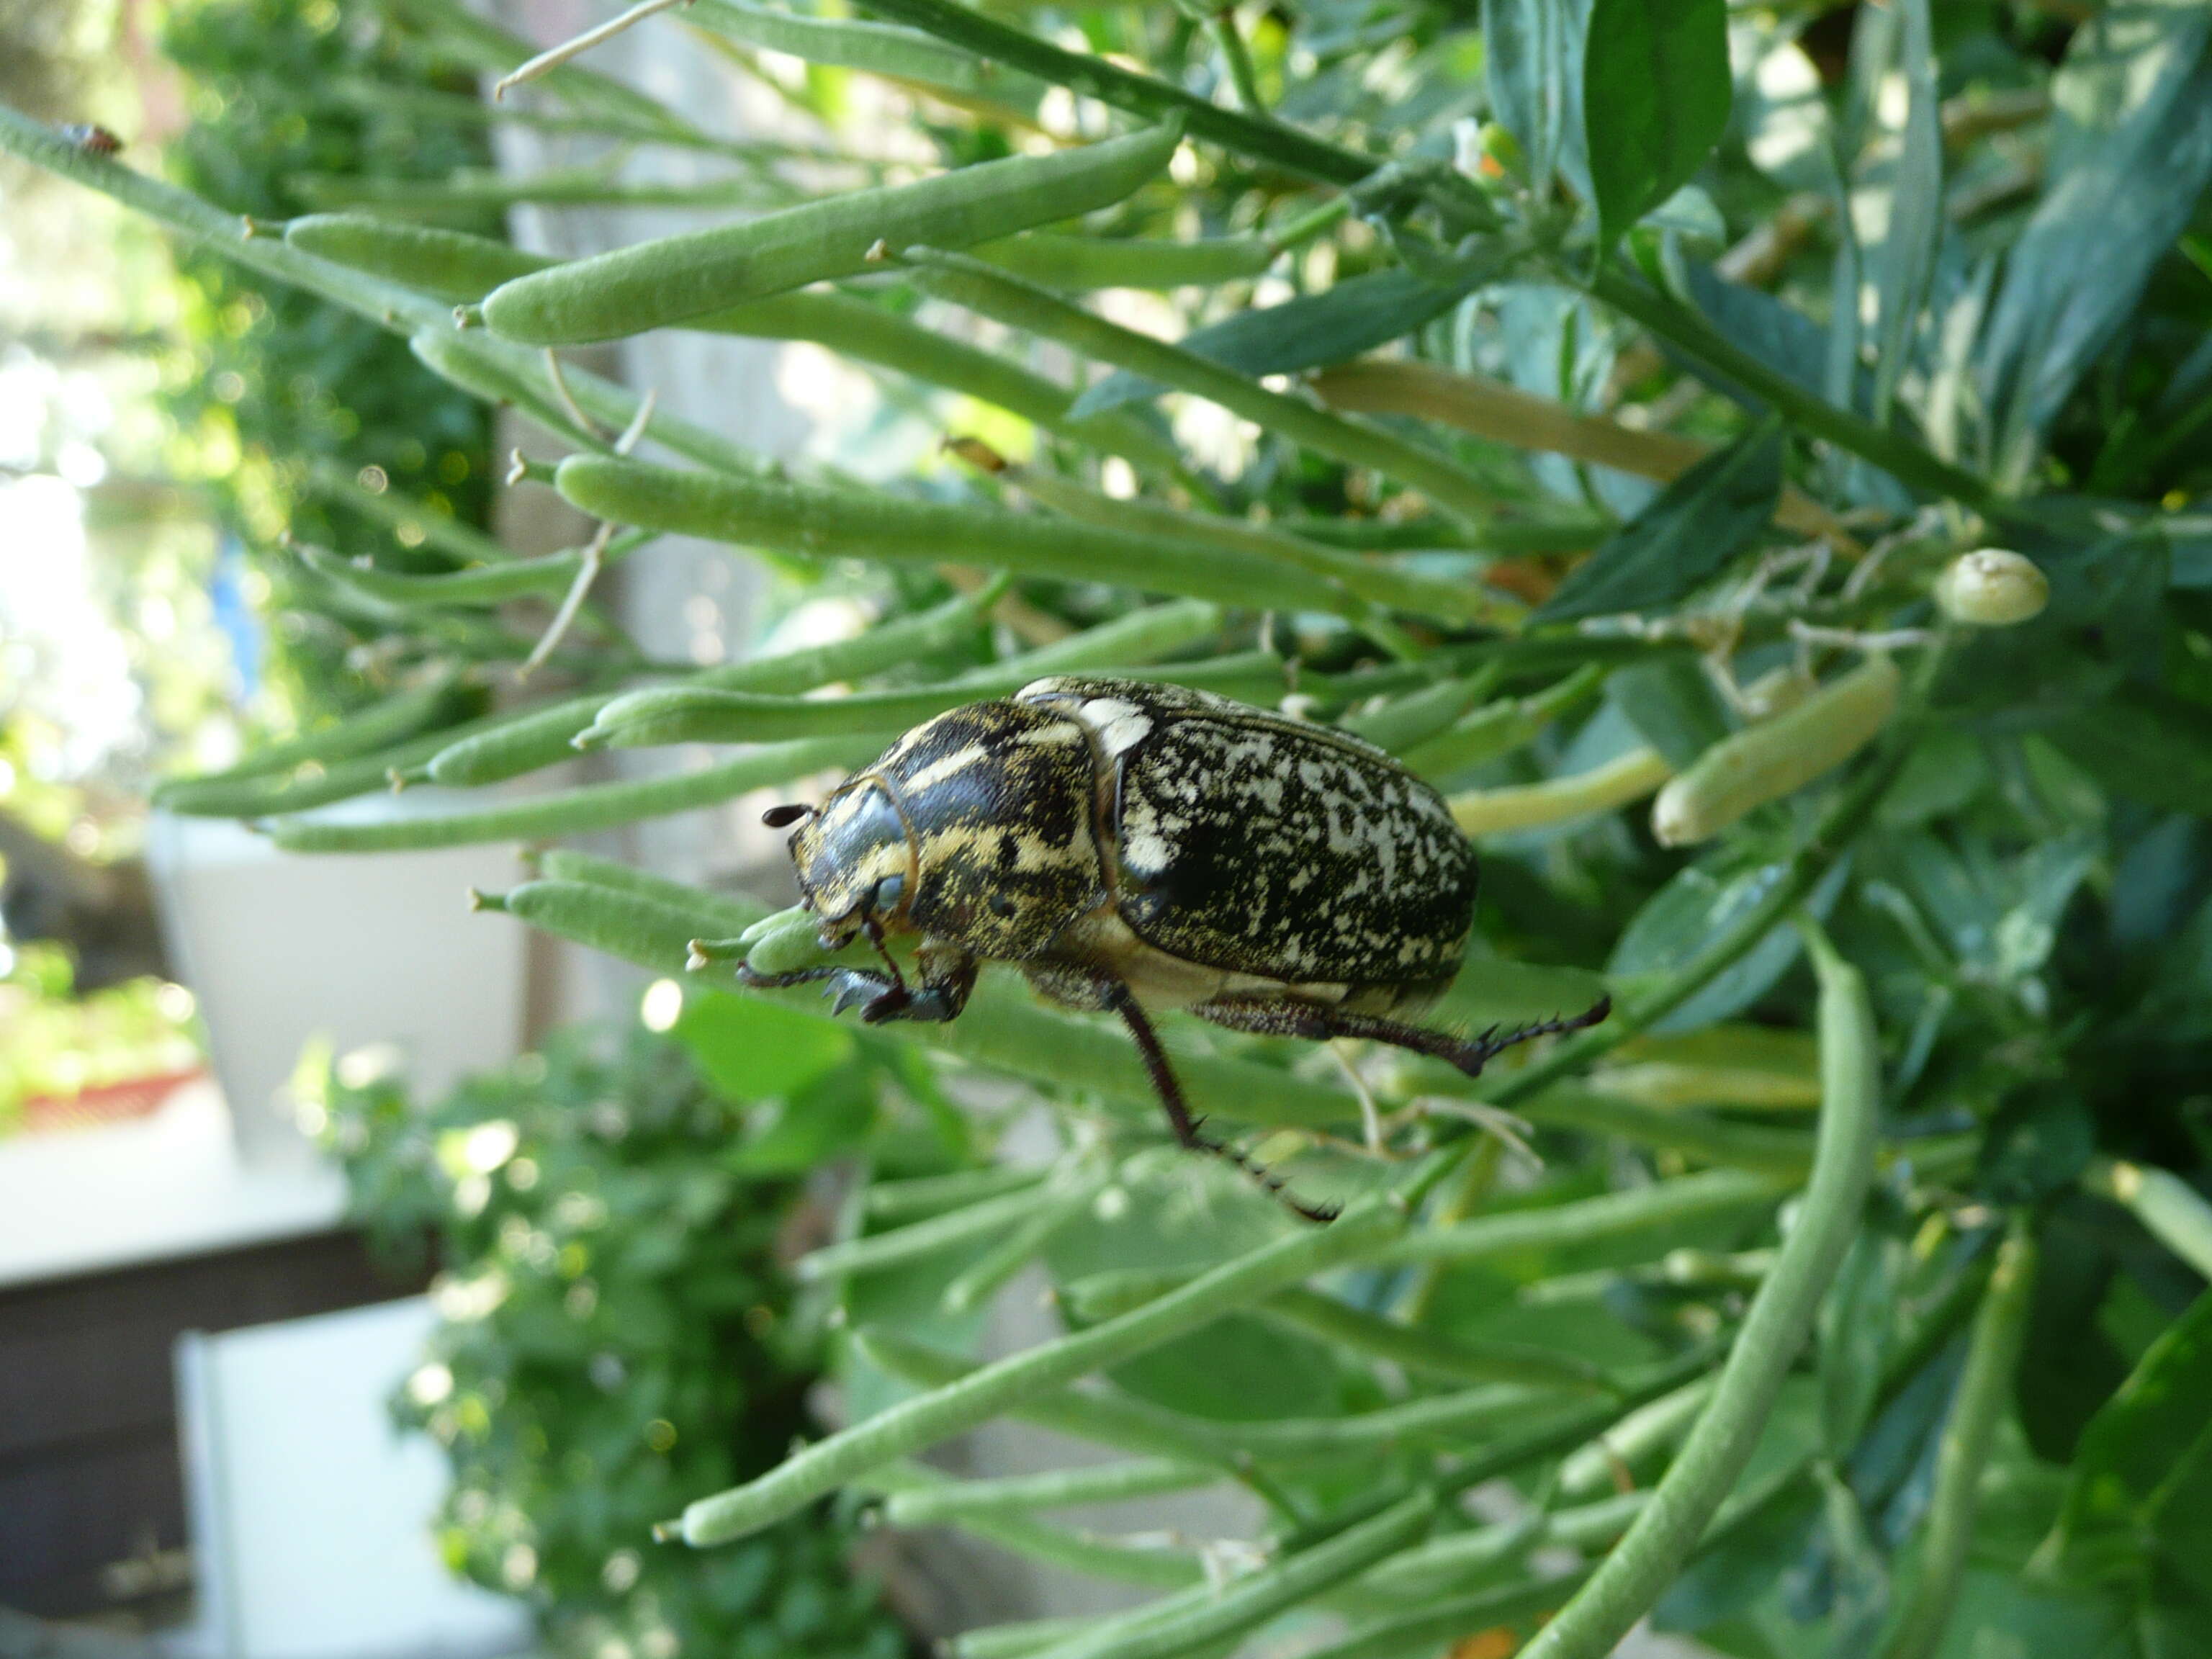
x,y
1505,414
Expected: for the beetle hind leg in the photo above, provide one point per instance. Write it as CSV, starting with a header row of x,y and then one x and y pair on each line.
x,y
1190,1131
1289,1017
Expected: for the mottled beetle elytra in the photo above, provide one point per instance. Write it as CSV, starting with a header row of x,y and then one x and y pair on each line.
x,y
1135,848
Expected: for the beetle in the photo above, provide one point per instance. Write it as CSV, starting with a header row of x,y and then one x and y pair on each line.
x,y
1133,847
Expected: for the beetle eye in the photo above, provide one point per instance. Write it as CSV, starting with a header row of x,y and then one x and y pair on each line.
x,y
887,894
777,817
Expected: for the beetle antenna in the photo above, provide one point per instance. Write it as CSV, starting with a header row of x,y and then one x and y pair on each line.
x,y
781,817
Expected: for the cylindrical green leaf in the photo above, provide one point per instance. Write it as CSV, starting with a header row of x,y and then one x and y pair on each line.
x,y
1983,1398
1663,1206
1128,1424
669,280
1258,1596
380,726
1643,1563
854,523
922,1421
699,713
542,737
578,811
1077,262
917,1239
490,584
1019,1494
451,265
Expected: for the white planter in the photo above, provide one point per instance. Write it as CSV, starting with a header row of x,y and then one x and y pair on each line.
x,y
284,949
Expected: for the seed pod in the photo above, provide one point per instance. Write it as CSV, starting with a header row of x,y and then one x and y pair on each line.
x,y
672,278
451,265
1525,806
1991,588
1768,761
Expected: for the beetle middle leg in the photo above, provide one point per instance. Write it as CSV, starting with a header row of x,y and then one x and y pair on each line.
x,y
1316,1022
1188,1130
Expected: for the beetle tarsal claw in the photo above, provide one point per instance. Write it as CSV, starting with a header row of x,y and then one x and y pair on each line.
x,y
851,987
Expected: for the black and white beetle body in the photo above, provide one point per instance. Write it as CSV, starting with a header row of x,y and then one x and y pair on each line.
x,y
1137,847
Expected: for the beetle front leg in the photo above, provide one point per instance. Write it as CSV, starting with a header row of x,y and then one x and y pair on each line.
x,y
1288,1017
947,977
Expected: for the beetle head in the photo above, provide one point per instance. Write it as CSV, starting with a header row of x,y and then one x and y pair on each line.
x,y
856,858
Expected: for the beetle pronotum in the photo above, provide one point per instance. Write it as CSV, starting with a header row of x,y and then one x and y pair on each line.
x,y
1133,847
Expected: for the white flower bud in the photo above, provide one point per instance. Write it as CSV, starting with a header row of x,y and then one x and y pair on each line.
x,y
1991,588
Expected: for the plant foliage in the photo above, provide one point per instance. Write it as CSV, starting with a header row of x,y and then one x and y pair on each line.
x,y
615,1339
1584,402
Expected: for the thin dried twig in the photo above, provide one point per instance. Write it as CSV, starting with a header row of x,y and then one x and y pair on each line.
x,y
1508,1127
1371,1117
571,602
584,424
575,46
595,552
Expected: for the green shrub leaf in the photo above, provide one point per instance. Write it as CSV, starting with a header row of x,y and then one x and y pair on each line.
x,y
1656,94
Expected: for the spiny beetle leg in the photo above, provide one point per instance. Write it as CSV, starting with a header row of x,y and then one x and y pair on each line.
x,y
1186,1128
752,977
848,985
1490,1043
1288,1017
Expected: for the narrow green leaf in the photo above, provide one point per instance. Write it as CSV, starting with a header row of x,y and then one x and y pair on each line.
x,y
2125,174
857,524
2145,743
1916,209
1683,539
1523,62
1311,331
2146,1457
1656,92
1678,921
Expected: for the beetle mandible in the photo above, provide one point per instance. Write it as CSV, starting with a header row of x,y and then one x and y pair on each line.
x,y
1133,847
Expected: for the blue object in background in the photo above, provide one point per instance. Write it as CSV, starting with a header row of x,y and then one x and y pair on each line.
x,y
235,616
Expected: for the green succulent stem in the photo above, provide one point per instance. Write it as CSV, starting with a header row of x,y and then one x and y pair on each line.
x,y
1645,1561
1984,1392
